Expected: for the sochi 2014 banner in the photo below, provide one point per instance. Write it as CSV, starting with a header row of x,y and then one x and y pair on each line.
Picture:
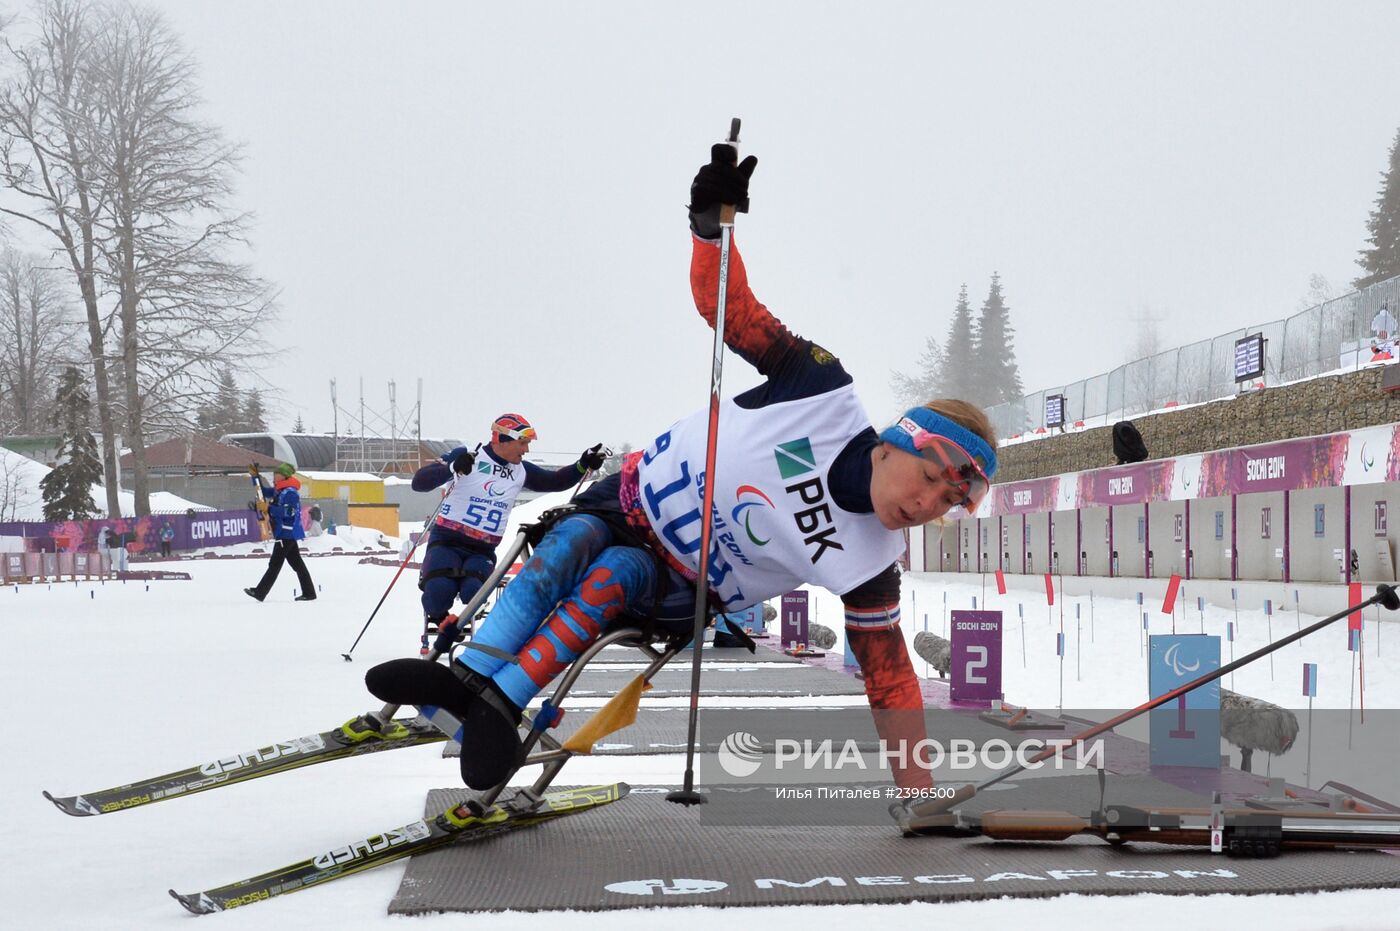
x,y
1356,457
143,534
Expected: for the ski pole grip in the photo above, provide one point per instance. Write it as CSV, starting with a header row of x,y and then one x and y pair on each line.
x,y
727,211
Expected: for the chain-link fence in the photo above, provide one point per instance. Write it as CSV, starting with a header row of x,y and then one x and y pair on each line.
x,y
1331,337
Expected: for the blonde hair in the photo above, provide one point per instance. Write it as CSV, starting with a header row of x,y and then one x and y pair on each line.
x,y
966,414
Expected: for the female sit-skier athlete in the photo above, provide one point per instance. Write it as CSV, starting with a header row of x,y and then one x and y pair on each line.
x,y
807,492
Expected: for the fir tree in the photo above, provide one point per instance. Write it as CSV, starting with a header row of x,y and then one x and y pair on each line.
x,y
1382,260
254,420
298,427
997,377
959,372
67,489
224,412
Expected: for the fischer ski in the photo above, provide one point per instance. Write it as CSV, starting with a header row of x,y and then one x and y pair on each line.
x,y
460,823
354,738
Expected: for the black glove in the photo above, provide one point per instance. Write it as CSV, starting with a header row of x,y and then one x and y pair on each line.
x,y
450,633
461,460
722,181
591,460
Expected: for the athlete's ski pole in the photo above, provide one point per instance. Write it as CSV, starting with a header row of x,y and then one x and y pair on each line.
x,y
929,812
687,795
411,550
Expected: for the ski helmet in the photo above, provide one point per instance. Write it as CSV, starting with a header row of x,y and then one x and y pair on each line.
x,y
512,427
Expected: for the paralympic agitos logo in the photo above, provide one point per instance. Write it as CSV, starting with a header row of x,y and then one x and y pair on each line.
x,y
746,495
815,522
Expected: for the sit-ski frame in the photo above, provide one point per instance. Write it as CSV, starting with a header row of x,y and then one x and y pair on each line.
x,y
554,755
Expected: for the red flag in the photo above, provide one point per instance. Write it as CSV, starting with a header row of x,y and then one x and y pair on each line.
x,y
1169,603
1001,583
1354,598
1049,589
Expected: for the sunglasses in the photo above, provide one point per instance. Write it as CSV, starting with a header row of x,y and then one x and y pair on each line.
x,y
955,465
525,433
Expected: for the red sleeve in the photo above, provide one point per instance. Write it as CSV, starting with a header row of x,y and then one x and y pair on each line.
x,y
896,701
891,685
749,329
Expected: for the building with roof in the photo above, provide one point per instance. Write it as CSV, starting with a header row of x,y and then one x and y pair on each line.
x,y
328,452
198,455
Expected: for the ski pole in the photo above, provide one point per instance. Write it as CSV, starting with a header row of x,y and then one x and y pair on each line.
x,y
687,795
413,549
1385,595
260,502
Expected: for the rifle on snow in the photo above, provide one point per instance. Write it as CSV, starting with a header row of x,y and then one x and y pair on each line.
x,y
1240,832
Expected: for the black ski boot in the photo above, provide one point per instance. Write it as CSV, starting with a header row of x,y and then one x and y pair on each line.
x,y
431,625
491,747
414,682
253,593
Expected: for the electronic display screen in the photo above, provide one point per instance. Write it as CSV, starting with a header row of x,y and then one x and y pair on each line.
x,y
1249,357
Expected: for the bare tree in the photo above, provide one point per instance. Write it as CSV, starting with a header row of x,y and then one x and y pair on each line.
x,y
34,341
16,495
184,307
47,116
1141,375
1320,291
926,383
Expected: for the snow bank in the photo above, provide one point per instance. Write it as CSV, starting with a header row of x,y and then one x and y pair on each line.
x,y
22,499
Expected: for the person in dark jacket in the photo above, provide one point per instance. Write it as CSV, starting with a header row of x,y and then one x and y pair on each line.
x,y
1127,443
284,514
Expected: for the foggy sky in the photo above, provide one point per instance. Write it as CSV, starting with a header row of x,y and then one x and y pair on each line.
x,y
490,195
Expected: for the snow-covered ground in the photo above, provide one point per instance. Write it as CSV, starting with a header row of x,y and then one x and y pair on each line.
x,y
1107,645
118,681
